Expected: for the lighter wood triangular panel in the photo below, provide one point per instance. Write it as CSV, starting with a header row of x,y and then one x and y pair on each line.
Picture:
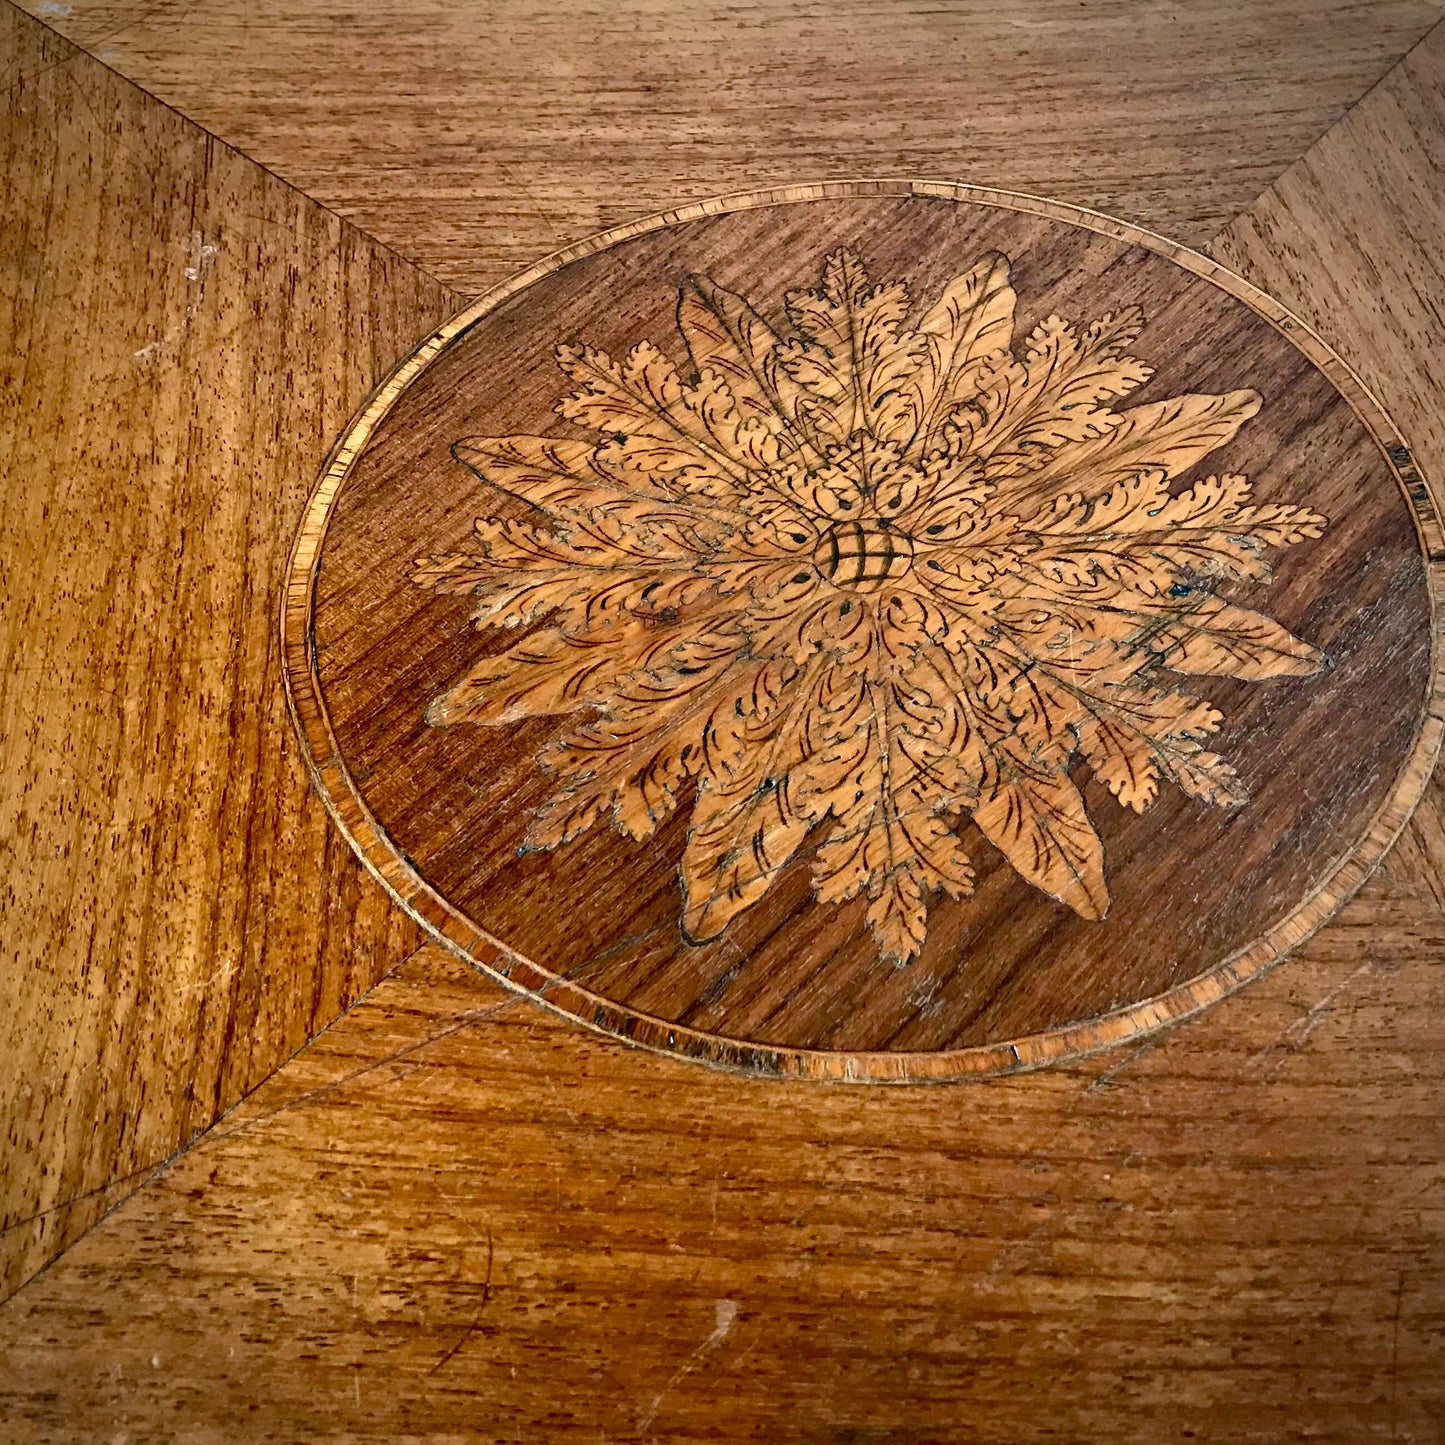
x,y
183,335
476,138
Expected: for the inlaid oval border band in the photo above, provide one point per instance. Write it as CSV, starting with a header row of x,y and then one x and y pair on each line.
x,y
445,923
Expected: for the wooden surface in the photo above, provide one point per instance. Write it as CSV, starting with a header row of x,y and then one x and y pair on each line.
x,y
179,918
1381,163
582,741
475,139
1263,1259
455,1218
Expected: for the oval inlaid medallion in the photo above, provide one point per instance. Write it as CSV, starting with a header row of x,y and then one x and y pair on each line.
x,y
870,630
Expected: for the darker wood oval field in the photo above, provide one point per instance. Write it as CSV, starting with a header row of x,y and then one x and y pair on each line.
x,y
1200,897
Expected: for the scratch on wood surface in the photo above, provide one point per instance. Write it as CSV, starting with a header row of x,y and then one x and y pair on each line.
x,y
561,1102
550,225
1395,1362
726,1311
1106,1078
154,1170
472,1328
225,971
1299,1032
200,257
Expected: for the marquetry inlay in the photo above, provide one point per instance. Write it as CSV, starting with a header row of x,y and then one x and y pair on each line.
x,y
854,631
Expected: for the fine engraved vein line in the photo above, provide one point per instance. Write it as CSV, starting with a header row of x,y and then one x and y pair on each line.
x,y
862,580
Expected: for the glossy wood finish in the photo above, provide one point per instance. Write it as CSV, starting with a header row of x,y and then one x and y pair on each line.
x,y
178,916
476,139
1202,896
1229,1233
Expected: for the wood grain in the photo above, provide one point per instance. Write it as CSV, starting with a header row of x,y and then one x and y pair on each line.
x,y
800,981
441,1223
1349,239
182,335
476,139
453,1218
1375,287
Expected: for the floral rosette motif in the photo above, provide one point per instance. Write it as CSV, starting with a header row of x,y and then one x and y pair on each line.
x,y
863,581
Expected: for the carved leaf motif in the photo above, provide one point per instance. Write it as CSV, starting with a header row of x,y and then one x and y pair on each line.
x,y
1208,528
1034,816
971,321
556,475
855,362
890,841
745,826
1165,437
724,334
1031,408
862,579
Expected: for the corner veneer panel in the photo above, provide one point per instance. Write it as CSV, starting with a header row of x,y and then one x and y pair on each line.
x,y
181,336
475,139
